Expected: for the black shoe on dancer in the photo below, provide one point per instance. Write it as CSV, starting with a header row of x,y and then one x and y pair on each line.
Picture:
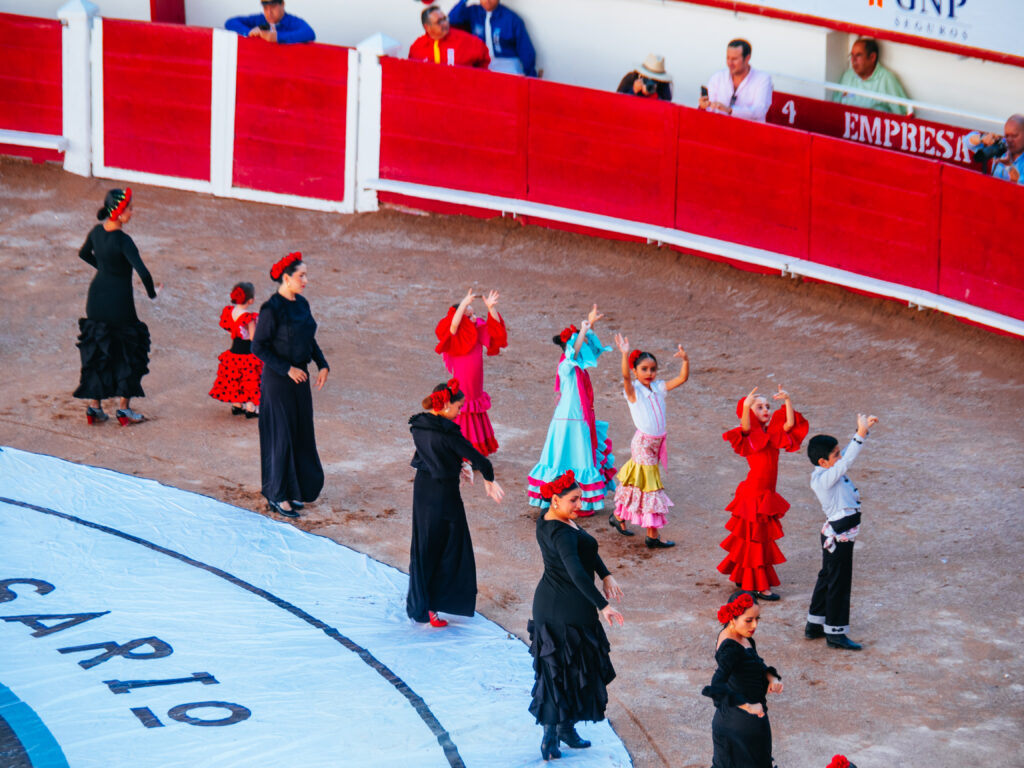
x,y
549,744
568,736
275,506
657,543
619,525
126,416
95,415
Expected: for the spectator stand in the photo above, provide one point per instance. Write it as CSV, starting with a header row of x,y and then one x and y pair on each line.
x,y
203,110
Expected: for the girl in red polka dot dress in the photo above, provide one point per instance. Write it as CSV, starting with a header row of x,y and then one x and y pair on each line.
x,y
238,376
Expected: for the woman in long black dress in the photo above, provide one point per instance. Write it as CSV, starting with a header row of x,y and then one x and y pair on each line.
x,y
567,642
442,570
740,730
112,341
285,340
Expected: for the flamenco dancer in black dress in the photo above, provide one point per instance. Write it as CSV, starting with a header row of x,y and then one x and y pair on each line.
x,y
113,342
740,730
442,569
285,340
567,642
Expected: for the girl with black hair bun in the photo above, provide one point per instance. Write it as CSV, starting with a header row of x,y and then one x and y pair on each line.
x,y
239,371
112,341
285,340
442,569
740,730
641,498
576,440
570,650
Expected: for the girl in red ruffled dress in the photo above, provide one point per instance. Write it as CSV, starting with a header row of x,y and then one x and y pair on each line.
x,y
238,375
756,508
462,339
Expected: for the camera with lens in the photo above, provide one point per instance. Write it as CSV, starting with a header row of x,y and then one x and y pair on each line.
x,y
650,84
983,154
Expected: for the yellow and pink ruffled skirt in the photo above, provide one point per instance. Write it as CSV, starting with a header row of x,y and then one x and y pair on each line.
x,y
640,498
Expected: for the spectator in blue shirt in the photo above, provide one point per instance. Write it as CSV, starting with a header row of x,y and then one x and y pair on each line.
x,y
502,31
273,25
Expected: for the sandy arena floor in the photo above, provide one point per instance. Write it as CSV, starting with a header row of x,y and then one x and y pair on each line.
x,y
937,585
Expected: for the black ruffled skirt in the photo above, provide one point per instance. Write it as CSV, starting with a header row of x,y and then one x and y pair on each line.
x,y
114,359
573,668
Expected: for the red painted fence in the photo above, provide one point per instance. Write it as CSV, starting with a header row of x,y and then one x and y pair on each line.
x,y
879,213
30,81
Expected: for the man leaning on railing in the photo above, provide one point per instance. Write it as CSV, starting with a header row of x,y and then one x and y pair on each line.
x,y
1006,152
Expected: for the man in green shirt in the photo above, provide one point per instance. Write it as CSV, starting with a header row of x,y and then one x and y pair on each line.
x,y
866,73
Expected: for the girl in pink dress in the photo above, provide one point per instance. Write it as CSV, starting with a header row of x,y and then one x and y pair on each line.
x,y
462,339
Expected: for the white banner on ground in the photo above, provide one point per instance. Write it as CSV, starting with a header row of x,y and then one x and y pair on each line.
x,y
992,25
146,626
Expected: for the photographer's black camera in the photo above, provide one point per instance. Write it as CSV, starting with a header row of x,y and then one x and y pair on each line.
x,y
650,85
983,154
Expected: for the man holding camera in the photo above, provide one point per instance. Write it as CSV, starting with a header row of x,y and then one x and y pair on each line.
x,y
649,80
1006,152
273,25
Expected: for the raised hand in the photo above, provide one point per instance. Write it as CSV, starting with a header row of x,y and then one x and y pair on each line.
x,y
468,298
781,394
622,342
749,399
594,315
491,299
680,352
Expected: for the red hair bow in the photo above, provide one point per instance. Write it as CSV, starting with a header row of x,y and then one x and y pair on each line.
x,y
838,761
438,400
238,295
278,269
633,356
122,204
567,333
735,609
558,486
453,386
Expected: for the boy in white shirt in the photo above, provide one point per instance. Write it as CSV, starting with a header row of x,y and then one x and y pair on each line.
x,y
829,614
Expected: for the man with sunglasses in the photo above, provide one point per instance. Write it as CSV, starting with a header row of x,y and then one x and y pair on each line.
x,y
443,45
739,89
273,25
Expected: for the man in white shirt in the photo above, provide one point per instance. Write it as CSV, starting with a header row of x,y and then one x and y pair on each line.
x,y
739,89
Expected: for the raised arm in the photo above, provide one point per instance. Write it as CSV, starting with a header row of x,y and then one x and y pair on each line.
x,y
622,342
461,310
745,416
491,300
790,417
684,370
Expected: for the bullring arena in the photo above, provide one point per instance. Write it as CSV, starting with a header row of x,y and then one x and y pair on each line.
x,y
159,530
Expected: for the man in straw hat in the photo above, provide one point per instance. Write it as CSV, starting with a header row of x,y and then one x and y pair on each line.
x,y
649,80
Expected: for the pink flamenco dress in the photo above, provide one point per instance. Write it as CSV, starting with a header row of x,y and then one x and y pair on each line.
x,y
238,375
640,498
756,508
463,355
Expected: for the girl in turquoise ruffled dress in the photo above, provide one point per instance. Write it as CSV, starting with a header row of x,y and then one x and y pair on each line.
x,y
576,439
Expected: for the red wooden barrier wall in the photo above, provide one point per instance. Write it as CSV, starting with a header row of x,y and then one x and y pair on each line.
x,y
981,260
743,182
290,108
875,212
604,153
454,127
156,105
30,81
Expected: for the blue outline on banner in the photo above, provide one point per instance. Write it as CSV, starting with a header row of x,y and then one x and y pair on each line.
x,y
39,747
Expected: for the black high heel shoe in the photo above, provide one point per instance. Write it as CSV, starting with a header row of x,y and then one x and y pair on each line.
x,y
549,744
296,504
568,736
95,415
275,506
236,411
618,525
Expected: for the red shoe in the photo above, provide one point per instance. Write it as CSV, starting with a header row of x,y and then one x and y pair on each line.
x,y
435,620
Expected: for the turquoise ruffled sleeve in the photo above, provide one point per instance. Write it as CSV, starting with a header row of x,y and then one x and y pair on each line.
x,y
590,350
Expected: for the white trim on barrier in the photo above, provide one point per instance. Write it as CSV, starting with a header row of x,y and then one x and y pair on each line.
x,y
223,82
38,140
785,264
293,201
96,67
76,86
351,130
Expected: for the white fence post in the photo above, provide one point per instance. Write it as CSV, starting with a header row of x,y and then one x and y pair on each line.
x,y
371,83
76,25
222,110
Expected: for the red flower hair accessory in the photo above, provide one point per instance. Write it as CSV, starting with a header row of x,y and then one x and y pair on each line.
x,y
567,333
735,609
238,295
838,761
122,204
438,400
558,486
278,269
633,356
453,386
